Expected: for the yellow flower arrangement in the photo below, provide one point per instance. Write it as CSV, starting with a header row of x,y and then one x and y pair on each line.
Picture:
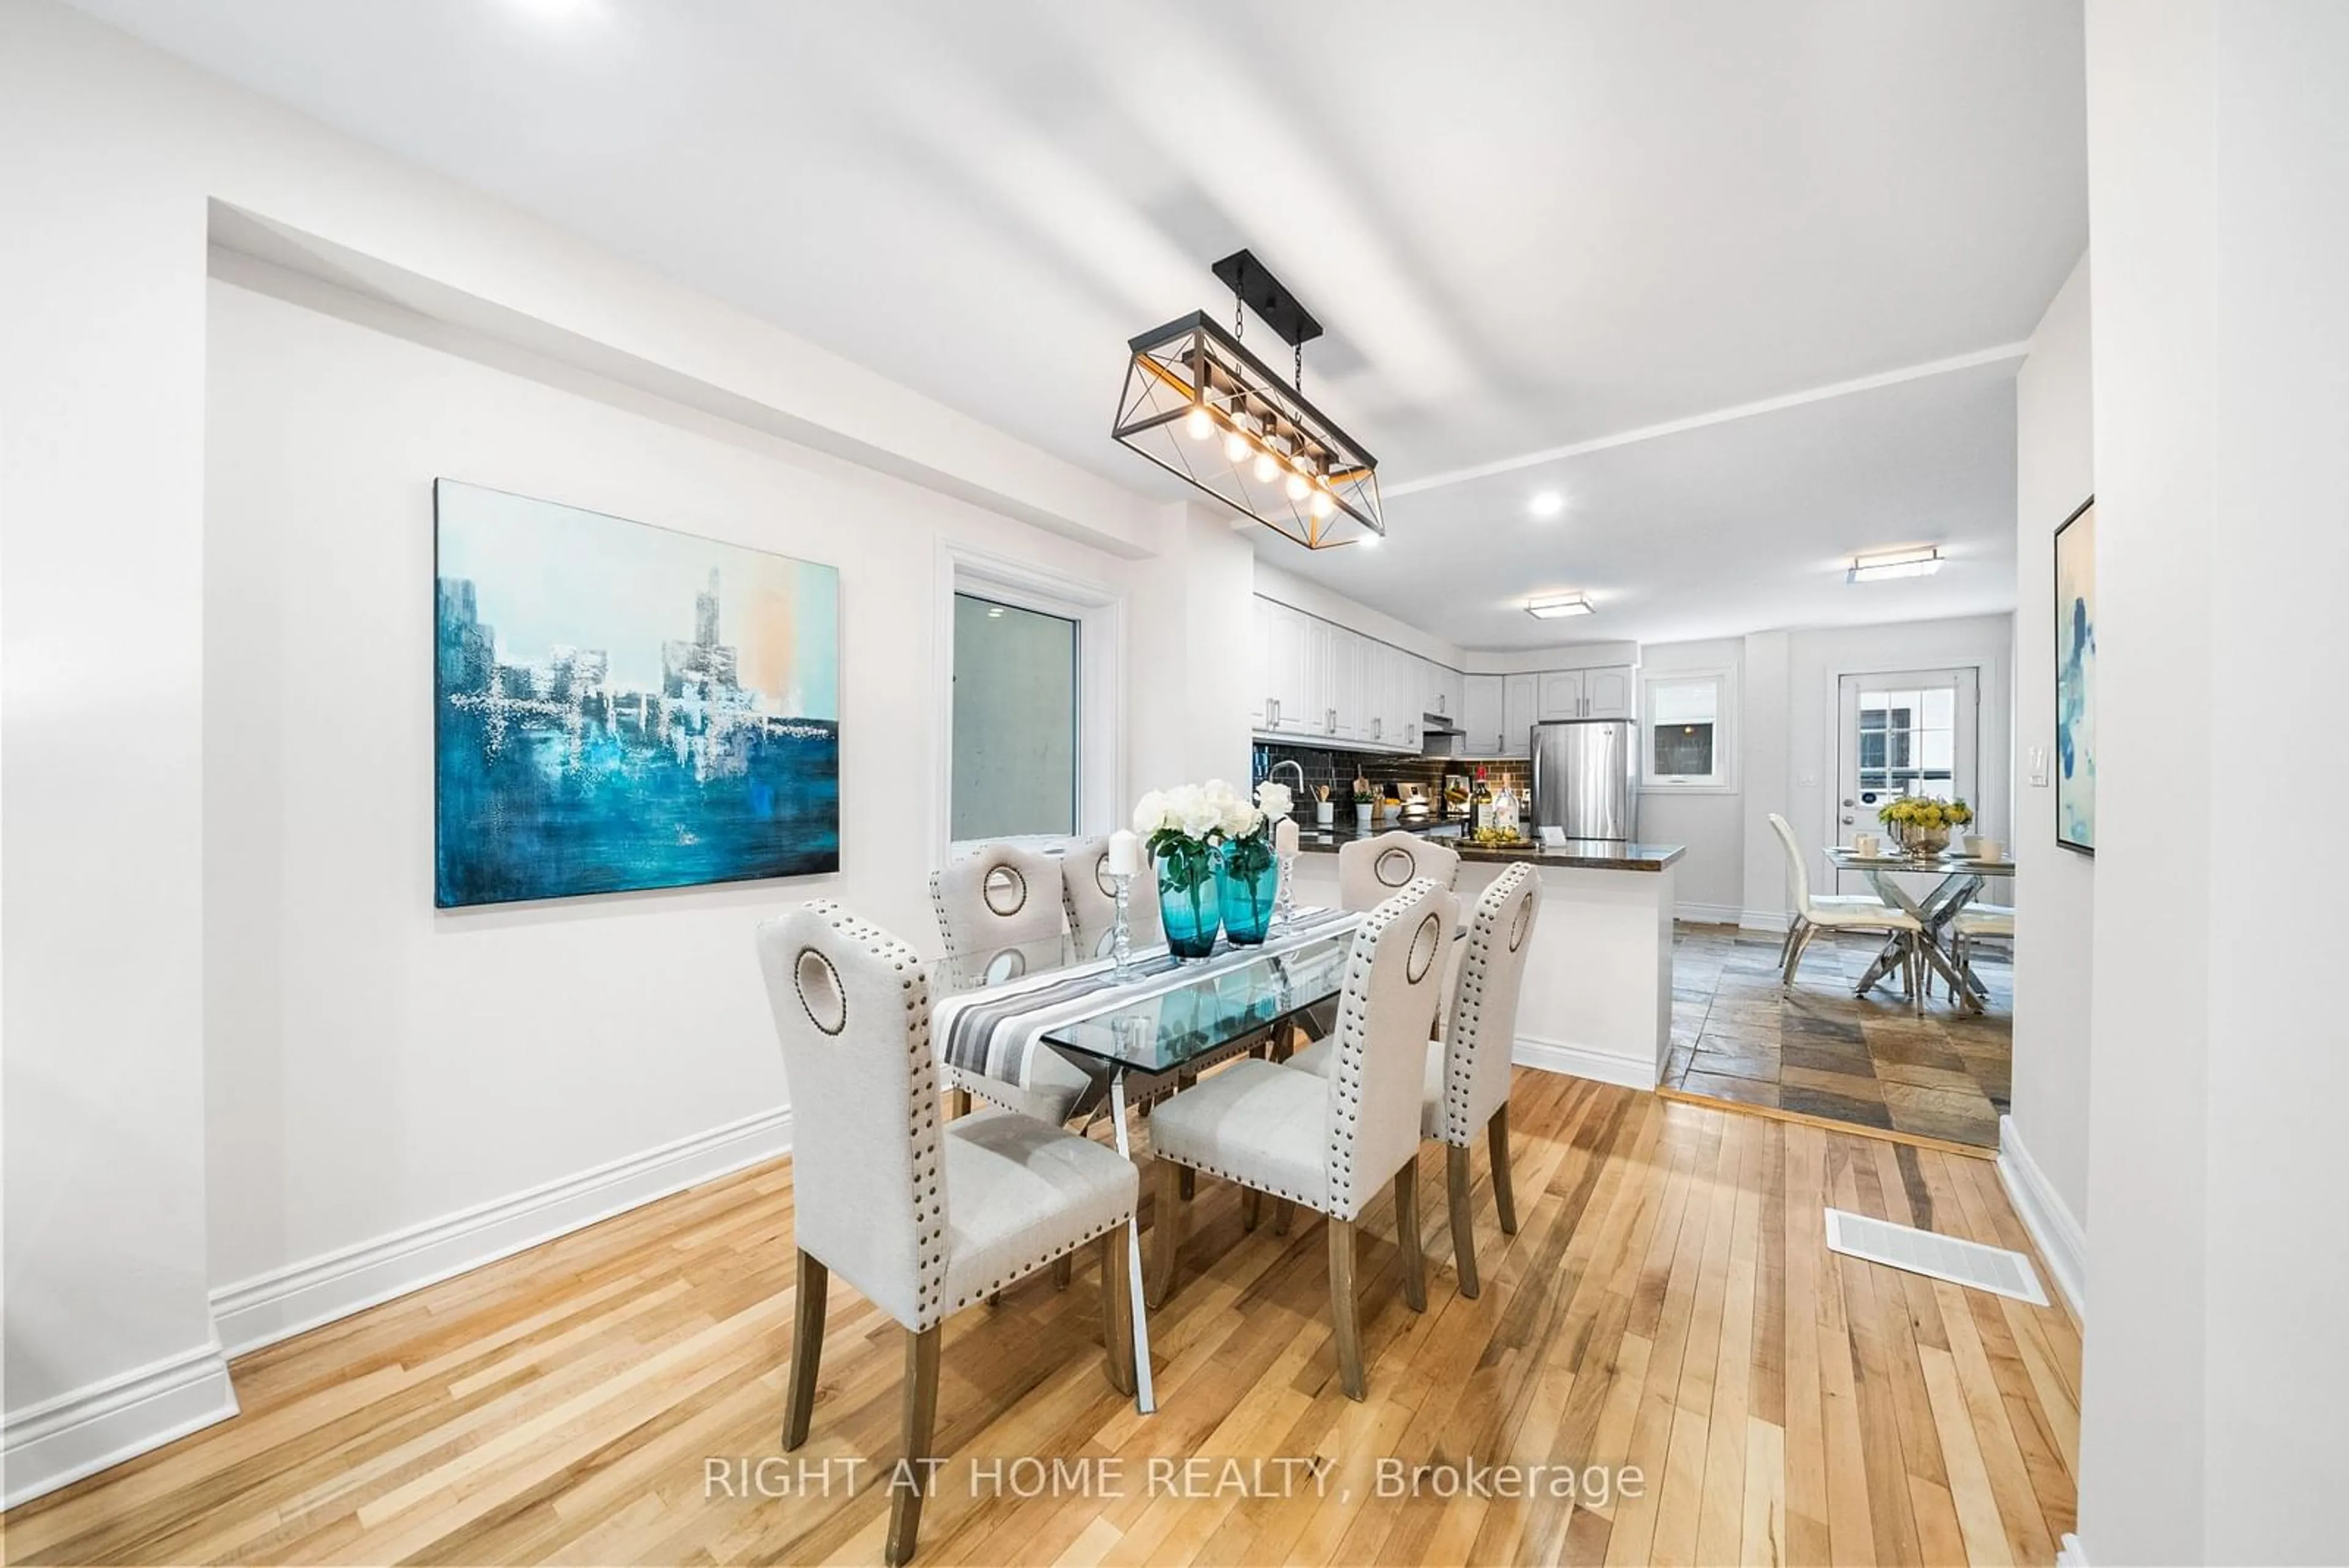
x,y
1926,811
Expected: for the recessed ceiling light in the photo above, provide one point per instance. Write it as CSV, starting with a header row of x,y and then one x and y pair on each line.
x,y
1369,541
1549,503
1557,606
1921,562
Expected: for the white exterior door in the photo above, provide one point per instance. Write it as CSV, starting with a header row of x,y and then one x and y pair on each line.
x,y
1908,732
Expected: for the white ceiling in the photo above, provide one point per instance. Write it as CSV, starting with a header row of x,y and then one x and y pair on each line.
x,y
1526,225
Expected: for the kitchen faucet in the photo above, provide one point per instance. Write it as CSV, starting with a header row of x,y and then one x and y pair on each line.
x,y
1274,771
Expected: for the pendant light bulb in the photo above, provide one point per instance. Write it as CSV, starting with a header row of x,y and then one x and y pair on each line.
x,y
1297,488
1266,465
1198,424
1322,505
1235,446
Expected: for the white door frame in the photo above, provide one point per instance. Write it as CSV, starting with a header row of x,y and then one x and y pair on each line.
x,y
1966,763
1098,610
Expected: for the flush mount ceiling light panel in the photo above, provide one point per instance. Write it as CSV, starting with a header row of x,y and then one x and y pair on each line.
x,y
1557,606
1207,410
1886,565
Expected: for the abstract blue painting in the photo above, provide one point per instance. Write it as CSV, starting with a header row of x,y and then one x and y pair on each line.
x,y
618,706
2075,681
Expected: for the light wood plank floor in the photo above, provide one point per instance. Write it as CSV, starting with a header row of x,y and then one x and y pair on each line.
x,y
1668,1304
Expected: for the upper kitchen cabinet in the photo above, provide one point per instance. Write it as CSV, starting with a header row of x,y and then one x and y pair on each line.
x,y
1520,699
1604,691
1560,694
1285,704
1482,726
1447,698
1608,691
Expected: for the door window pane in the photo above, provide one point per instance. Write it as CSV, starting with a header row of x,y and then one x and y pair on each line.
x,y
1015,721
1907,740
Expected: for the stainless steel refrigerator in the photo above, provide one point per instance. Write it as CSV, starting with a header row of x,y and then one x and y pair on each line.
x,y
1582,778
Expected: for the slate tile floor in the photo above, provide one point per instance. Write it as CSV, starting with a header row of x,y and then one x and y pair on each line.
x,y
1818,1049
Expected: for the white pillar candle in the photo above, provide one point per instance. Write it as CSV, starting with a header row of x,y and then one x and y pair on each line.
x,y
1283,837
1124,854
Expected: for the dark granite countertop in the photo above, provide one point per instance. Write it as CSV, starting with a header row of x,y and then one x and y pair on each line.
x,y
1587,855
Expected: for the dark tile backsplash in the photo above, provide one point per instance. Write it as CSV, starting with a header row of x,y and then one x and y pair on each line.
x,y
1337,769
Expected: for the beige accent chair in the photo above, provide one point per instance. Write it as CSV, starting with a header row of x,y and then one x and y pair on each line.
x,y
923,1217
1091,899
1327,1143
999,898
1465,1091
1843,912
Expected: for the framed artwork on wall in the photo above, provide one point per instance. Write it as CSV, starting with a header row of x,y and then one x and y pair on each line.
x,y
2075,680
618,706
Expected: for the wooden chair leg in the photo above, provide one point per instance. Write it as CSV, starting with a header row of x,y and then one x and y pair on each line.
x,y
1504,1197
1283,1211
1190,1183
958,1103
807,1350
1343,1310
1414,1265
1117,1325
919,1430
1456,1187
1166,1227
1251,1208
1063,1271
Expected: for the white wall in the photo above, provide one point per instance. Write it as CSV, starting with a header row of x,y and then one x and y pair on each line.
x,y
2054,473
120,156
1711,881
2216,1369
374,1063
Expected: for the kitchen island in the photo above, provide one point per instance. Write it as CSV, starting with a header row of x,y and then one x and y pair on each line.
x,y
1597,997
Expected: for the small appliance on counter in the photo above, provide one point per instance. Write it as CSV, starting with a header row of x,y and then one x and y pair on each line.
x,y
1414,804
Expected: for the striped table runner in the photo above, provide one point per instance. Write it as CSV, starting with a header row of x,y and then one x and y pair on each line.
x,y
995,1030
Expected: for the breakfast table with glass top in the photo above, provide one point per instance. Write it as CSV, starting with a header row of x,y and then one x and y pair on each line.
x,y
1132,1032
1961,878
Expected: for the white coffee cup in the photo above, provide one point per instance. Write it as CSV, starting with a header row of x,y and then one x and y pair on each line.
x,y
1984,849
1864,844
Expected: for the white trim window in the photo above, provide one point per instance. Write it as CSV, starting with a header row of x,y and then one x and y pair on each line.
x,y
1690,746
1097,643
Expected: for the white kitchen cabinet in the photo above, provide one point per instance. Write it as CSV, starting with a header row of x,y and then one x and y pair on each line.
x,y
1520,701
1481,716
1608,692
1320,678
1284,669
1350,686
1450,696
1560,694
1604,691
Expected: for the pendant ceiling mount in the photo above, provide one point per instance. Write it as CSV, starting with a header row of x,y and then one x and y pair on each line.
x,y
1206,409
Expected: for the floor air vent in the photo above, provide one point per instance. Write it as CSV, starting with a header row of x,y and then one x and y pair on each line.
x,y
1992,1268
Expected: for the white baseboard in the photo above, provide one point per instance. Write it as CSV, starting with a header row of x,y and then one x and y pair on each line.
x,y
81,1433
1775,922
1583,1061
1706,914
2070,1554
284,1301
2041,1209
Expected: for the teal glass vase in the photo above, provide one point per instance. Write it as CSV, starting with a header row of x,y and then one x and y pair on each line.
x,y
1188,904
1247,885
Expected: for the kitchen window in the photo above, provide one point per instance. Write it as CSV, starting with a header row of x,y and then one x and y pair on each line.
x,y
1690,734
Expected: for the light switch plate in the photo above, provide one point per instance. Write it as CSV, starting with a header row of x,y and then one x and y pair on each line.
x,y
2035,766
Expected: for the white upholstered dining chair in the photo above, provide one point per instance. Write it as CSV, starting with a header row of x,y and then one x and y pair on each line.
x,y
1372,870
1842,912
1465,1089
923,1217
1091,898
1327,1143
1000,898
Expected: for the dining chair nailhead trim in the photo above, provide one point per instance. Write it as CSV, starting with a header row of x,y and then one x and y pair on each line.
x,y
1512,891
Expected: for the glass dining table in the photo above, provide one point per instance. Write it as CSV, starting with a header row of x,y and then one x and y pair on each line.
x,y
1132,1033
1961,878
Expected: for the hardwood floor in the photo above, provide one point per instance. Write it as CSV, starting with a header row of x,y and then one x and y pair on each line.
x,y
1817,1050
1668,1304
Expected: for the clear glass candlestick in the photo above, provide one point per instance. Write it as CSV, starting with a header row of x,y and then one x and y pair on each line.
x,y
1120,943
1285,911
